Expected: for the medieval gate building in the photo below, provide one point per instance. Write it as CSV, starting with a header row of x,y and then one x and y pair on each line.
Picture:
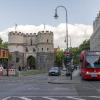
x,y
35,50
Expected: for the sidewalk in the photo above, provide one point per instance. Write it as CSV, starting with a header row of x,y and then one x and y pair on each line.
x,y
66,79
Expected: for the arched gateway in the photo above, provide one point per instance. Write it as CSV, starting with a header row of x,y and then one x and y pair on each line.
x,y
31,62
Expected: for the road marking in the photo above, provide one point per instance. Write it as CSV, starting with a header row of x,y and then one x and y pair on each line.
x,y
95,97
49,98
24,98
70,97
6,98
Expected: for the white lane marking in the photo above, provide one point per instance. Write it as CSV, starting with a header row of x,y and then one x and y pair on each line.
x,y
24,98
76,98
6,98
95,97
49,98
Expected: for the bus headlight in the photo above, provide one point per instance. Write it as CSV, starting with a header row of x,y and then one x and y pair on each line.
x,y
87,72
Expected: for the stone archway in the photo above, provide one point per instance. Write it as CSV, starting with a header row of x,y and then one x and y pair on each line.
x,y
31,62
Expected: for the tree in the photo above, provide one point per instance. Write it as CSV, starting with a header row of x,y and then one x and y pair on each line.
x,y
31,62
59,56
1,41
3,44
75,53
85,45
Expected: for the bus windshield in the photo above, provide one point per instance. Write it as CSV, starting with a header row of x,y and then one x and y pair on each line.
x,y
93,61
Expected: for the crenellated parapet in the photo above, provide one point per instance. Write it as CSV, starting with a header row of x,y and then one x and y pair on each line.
x,y
15,33
45,32
30,34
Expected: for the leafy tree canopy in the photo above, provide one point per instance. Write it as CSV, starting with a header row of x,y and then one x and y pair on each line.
x,y
3,44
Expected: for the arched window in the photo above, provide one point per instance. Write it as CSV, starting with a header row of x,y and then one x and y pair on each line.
x,y
34,50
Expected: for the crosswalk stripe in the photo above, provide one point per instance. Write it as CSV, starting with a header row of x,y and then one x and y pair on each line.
x,y
49,98
70,97
6,98
95,97
24,98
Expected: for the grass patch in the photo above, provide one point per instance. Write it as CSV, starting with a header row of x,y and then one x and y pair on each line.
x,y
31,72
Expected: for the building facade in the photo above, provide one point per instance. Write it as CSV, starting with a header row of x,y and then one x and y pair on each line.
x,y
95,37
31,49
4,57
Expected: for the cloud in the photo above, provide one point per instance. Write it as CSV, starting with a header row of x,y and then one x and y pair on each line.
x,y
77,32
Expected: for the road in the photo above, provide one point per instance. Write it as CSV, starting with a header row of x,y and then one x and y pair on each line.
x,y
37,88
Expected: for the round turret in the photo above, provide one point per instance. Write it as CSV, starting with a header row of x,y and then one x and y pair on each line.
x,y
16,37
45,41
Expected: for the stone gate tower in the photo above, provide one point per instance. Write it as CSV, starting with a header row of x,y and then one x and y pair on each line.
x,y
38,45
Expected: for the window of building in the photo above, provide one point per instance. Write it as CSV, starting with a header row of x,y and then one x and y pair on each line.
x,y
47,40
26,49
0,53
47,49
34,50
31,41
42,49
17,59
4,53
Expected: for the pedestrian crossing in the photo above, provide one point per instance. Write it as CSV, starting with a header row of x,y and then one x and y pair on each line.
x,y
52,98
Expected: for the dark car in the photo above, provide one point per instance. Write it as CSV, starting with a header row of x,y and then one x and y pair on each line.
x,y
54,71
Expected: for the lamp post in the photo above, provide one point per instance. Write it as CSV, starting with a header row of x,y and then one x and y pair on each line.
x,y
70,41
68,71
56,16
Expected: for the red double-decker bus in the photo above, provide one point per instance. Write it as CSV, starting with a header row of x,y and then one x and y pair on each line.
x,y
90,64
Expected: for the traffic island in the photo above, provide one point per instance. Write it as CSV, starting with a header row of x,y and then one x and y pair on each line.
x,y
64,82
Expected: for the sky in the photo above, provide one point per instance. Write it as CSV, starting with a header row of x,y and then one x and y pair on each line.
x,y
31,15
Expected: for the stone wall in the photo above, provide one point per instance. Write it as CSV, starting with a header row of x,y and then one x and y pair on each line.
x,y
45,60
16,60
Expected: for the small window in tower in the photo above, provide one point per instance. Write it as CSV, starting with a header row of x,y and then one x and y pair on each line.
x,y
47,49
31,41
42,49
34,50
26,49
47,40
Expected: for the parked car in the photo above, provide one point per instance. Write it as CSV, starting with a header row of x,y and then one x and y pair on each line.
x,y
54,71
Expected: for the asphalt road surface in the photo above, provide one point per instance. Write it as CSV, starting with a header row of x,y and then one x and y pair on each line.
x,y
37,88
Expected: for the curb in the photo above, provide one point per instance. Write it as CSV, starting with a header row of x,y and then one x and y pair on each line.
x,y
67,82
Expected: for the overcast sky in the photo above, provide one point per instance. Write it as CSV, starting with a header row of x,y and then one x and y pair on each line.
x,y
30,15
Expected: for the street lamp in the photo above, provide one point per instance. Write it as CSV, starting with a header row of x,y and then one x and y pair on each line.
x,y
70,41
56,16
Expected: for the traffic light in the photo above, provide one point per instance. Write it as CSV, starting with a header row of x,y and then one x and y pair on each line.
x,y
67,56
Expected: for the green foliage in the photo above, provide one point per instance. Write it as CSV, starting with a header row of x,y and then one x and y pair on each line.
x,y
77,50
31,61
3,44
59,57
85,45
